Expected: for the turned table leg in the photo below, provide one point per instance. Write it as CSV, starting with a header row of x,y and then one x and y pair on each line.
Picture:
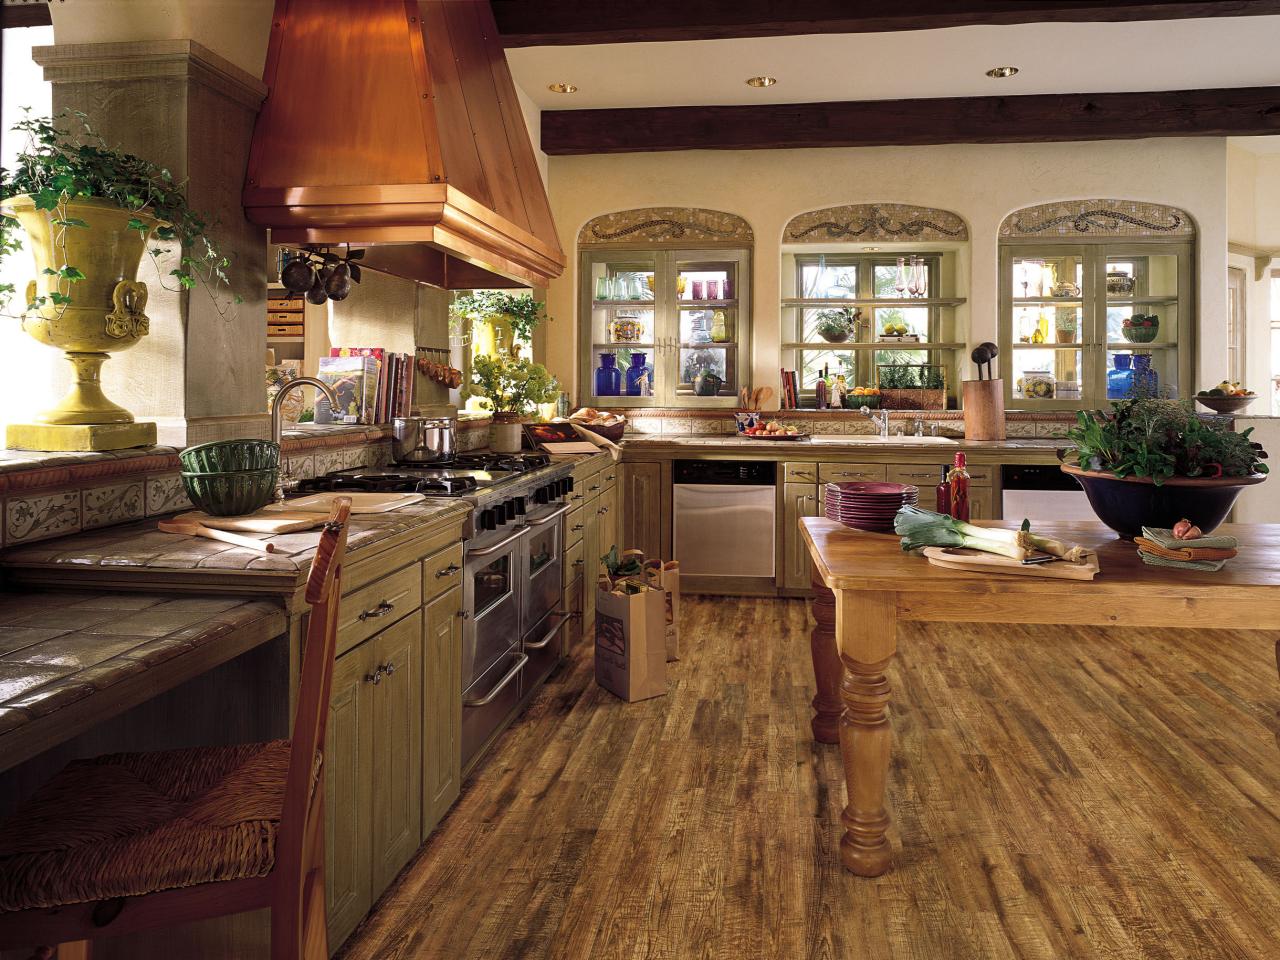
x,y
827,704
867,632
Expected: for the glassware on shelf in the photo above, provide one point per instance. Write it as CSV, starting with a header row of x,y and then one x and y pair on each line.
x,y
626,328
900,280
917,278
608,376
648,282
698,327
639,377
604,288
719,327
1146,382
713,289
1036,385
699,290
682,284
1041,333
1120,377
728,288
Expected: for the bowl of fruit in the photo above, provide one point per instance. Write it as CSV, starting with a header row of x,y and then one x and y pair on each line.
x,y
1226,397
1140,328
860,397
773,430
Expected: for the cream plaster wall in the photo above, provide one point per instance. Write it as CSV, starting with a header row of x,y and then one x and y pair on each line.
x,y
982,183
1253,222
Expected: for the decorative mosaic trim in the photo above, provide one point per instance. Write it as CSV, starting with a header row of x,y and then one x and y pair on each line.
x,y
1102,218
665,225
875,221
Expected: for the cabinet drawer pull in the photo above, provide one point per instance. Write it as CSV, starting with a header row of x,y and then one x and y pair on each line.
x,y
602,511
381,610
578,562
448,571
611,477
576,496
375,678
922,476
464,614
576,527
390,668
809,476
858,473
593,489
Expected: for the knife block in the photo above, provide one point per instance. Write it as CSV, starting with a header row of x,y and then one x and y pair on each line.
x,y
983,409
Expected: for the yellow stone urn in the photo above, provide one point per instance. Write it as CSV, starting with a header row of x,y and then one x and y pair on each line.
x,y
105,315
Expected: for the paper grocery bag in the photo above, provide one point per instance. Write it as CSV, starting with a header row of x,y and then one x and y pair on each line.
x,y
631,655
671,586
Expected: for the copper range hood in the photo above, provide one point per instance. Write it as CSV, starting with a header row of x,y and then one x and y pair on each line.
x,y
394,125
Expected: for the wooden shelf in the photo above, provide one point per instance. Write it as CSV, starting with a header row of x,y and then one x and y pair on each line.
x,y
1047,345
636,304
1126,345
624,346
706,304
709,345
1047,301
882,302
889,345
1141,301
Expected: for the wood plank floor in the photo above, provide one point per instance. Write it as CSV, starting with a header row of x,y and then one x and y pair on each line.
x,y
1056,793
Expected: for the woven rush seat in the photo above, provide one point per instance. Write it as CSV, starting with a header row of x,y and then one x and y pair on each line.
x,y
128,824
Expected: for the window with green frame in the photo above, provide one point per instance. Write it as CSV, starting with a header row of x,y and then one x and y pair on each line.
x,y
873,285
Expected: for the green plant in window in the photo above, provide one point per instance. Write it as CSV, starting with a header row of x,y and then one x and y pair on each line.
x,y
895,376
836,325
513,386
522,312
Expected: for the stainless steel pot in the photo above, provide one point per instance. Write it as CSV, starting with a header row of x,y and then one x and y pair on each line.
x,y
423,439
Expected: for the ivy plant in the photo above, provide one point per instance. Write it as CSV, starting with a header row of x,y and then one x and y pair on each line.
x,y
523,312
57,165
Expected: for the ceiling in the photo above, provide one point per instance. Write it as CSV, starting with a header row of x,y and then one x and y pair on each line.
x,y
1052,57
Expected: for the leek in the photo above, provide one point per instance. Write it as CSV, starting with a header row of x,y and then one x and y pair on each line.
x,y
924,528
1049,545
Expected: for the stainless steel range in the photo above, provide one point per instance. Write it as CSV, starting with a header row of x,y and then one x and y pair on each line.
x,y
511,589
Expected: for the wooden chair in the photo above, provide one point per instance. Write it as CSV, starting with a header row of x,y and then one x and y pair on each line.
x,y
126,842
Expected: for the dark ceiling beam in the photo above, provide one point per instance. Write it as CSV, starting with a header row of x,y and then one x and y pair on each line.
x,y
524,23
1245,111
34,13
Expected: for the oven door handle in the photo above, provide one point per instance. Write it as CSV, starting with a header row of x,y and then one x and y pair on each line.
x,y
551,634
549,517
484,552
488,698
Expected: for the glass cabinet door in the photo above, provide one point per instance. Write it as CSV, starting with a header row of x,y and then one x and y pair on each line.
x,y
1081,324
665,327
623,334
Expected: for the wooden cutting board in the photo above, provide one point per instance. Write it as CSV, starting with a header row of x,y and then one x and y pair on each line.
x,y
976,561
287,521
360,502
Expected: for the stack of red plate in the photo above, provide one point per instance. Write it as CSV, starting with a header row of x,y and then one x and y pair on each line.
x,y
868,506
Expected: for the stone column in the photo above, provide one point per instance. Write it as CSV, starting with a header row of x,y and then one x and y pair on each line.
x,y
199,374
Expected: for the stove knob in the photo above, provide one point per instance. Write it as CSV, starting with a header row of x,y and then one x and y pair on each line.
x,y
500,514
563,486
520,506
487,520
509,508
540,495
568,484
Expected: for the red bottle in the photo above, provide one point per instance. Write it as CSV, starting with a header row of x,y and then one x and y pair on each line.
x,y
943,493
959,480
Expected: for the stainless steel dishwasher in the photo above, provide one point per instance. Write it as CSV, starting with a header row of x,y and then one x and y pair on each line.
x,y
725,518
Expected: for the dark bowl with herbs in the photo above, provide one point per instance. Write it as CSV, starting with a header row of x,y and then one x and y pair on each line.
x,y
1151,463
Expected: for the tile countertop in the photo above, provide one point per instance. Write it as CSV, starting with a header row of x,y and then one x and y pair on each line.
x,y
136,550
59,651
844,443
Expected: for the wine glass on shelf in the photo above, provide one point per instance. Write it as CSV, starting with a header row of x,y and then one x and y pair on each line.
x,y
900,279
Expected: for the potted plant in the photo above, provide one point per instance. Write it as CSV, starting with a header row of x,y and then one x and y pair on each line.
x,y
1065,325
513,386
1151,462
503,320
899,383
89,213
836,325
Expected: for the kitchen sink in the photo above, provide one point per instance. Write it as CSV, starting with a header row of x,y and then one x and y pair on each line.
x,y
873,440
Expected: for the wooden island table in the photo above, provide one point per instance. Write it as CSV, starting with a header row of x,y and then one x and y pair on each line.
x,y
865,585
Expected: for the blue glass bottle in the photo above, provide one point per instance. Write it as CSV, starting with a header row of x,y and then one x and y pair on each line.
x,y
608,376
1120,380
1146,382
635,373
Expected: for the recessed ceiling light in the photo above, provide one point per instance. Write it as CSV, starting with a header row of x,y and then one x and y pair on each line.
x,y
761,81
562,87
1001,72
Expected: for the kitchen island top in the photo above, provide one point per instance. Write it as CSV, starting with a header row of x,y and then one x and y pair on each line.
x,y
845,443
875,586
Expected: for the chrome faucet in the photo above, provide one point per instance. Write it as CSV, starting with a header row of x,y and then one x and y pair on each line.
x,y
919,427
881,421
277,428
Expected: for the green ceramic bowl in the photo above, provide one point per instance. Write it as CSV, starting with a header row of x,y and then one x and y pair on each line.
x,y
229,456
230,493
